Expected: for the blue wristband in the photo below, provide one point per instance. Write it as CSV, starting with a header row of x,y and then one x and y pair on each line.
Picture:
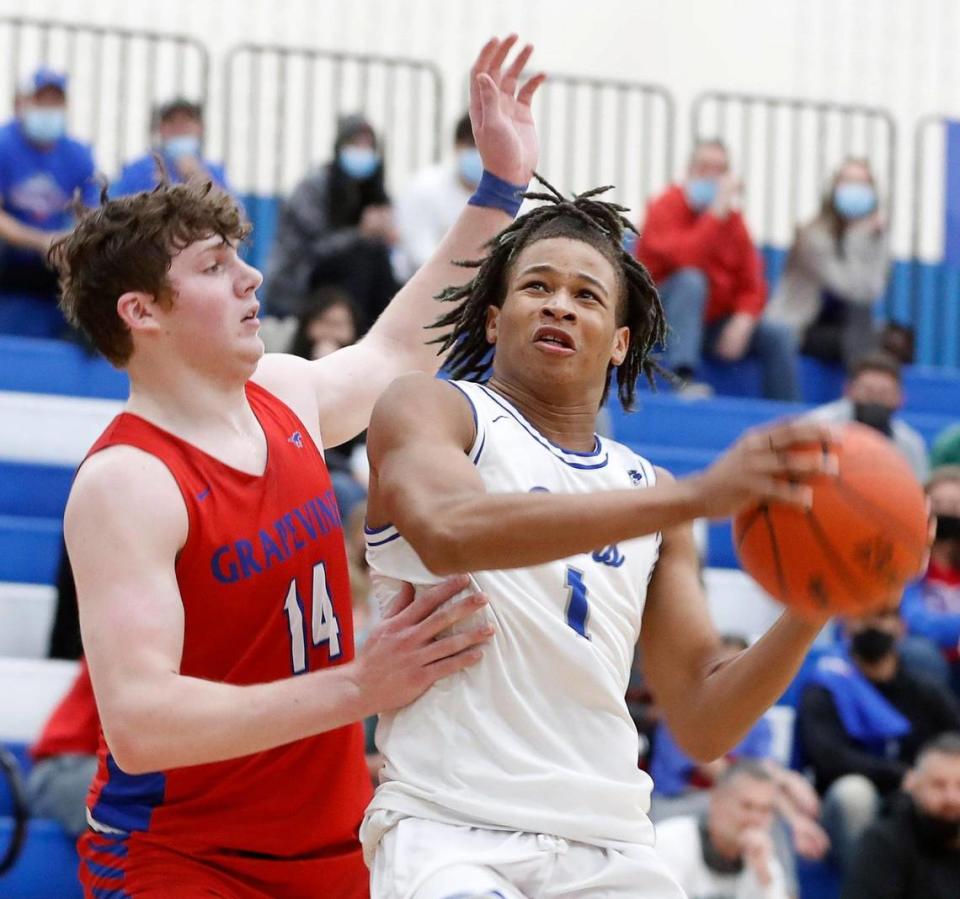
x,y
499,194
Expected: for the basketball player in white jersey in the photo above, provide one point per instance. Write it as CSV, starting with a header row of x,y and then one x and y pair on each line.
x,y
518,777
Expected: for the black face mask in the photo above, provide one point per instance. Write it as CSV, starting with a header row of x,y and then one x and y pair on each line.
x,y
936,832
948,527
875,415
871,644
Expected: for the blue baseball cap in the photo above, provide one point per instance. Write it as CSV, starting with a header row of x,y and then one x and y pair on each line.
x,y
44,77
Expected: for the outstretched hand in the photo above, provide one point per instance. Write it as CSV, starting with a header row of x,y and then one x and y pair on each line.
x,y
503,126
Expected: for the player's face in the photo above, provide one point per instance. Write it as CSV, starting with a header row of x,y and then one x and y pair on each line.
x,y
212,323
935,786
558,322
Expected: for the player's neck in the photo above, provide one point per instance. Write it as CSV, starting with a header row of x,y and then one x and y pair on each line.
x,y
184,404
570,424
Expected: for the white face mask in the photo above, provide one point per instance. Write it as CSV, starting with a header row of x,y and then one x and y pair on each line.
x,y
44,124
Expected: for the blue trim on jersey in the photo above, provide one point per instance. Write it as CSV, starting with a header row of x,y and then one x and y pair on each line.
x,y
103,871
509,407
127,801
473,408
117,844
379,530
387,540
483,443
101,893
547,443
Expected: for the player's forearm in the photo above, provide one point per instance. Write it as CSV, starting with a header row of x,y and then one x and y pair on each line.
x,y
176,721
415,307
738,691
496,531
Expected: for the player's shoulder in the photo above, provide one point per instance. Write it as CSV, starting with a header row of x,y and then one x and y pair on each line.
x,y
125,481
419,404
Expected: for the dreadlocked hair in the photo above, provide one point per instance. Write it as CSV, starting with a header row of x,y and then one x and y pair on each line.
x,y
599,223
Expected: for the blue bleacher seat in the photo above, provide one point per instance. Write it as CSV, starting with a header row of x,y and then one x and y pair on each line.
x,y
667,420
47,866
52,366
29,549
933,390
34,489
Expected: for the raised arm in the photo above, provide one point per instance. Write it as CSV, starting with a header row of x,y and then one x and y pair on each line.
x,y
124,525
346,384
423,482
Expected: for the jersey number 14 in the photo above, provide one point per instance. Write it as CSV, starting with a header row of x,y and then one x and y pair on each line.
x,y
324,625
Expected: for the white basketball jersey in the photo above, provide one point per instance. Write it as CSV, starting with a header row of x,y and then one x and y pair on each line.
x,y
536,737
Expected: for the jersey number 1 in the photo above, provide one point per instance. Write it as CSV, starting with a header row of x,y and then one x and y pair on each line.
x,y
325,627
578,608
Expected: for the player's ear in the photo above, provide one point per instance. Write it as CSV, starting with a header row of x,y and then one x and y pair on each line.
x,y
493,323
136,310
621,345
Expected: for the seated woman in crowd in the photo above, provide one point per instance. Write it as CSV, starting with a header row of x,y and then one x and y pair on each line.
x,y
836,270
336,229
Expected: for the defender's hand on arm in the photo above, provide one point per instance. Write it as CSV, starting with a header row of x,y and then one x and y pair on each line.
x,y
405,654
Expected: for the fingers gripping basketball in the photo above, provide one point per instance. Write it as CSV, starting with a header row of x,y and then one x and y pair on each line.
x,y
861,540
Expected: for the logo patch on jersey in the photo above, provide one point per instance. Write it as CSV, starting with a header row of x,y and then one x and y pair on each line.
x,y
202,495
296,438
609,555
636,477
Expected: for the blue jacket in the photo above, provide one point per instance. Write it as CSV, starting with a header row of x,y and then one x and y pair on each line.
x,y
142,174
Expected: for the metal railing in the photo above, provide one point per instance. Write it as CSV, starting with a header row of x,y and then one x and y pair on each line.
x,y
281,107
117,76
597,131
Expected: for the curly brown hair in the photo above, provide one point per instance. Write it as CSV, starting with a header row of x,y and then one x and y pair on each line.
x,y
128,244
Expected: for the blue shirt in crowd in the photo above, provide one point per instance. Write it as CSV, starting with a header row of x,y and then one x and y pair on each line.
x,y
37,183
671,767
142,174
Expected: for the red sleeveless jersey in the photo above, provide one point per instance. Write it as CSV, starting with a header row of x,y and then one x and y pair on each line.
x,y
265,588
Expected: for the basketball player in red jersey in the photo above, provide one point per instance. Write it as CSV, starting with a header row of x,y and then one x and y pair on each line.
x,y
208,551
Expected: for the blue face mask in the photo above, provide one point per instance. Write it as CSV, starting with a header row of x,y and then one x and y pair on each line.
x,y
470,166
44,124
854,200
182,145
358,162
701,192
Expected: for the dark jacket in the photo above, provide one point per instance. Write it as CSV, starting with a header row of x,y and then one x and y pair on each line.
x,y
893,860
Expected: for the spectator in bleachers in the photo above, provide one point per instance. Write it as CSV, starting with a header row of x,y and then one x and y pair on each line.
x,y
65,758
931,607
41,168
435,197
913,850
337,229
836,270
681,787
861,720
696,246
872,395
728,852
178,138
328,324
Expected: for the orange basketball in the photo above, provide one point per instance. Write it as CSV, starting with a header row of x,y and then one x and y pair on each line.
x,y
862,540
